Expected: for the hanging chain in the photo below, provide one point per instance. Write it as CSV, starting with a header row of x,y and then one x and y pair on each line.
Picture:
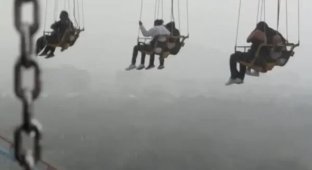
x,y
27,157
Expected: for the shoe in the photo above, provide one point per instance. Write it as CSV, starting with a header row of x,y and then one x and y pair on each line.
x,y
252,73
50,55
160,67
131,67
234,81
141,66
149,67
239,81
43,54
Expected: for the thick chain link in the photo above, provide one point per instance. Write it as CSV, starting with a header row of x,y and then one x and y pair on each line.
x,y
27,157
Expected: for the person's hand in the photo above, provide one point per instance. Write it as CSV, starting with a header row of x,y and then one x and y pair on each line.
x,y
140,23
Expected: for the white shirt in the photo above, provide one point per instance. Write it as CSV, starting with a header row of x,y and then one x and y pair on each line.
x,y
155,31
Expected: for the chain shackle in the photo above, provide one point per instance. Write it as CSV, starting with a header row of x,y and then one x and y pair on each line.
x,y
27,157
18,16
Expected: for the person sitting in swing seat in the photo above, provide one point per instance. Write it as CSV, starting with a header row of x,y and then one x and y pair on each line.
x,y
158,30
257,37
61,30
277,54
173,40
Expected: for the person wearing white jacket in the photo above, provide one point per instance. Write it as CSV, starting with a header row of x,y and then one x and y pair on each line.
x,y
158,29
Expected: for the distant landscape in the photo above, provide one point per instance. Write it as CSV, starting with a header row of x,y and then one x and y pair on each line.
x,y
123,128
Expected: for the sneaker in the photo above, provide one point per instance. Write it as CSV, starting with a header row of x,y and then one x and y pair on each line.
x,y
252,73
160,67
141,66
150,67
43,54
234,81
239,81
50,55
131,67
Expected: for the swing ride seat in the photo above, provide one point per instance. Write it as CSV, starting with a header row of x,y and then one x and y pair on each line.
x,y
278,54
163,44
268,65
67,39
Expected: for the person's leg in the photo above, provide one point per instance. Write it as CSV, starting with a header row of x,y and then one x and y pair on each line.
x,y
40,44
233,65
151,62
246,57
46,51
242,71
51,54
236,76
134,54
48,40
143,54
136,50
161,62
141,66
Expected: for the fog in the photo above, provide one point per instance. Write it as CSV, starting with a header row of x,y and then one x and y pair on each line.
x,y
97,116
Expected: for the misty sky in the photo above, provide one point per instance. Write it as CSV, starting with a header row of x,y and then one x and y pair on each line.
x,y
105,48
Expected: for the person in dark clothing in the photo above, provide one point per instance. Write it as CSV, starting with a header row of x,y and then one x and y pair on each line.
x,y
275,54
257,37
175,39
60,28
157,30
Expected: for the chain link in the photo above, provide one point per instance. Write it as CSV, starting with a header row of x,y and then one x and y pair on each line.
x,y
27,157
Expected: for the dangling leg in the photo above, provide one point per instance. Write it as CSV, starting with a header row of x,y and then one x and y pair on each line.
x,y
141,66
46,51
242,72
161,62
151,62
235,75
134,57
40,44
51,54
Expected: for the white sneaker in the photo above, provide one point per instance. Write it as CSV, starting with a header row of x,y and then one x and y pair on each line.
x,y
140,67
234,81
131,67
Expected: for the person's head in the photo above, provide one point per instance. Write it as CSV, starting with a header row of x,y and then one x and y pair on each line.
x,y
64,15
170,25
262,26
158,22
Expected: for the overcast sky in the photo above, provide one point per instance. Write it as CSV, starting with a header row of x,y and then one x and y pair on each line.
x,y
105,48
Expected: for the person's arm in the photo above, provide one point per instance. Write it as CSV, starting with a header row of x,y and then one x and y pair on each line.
x,y
257,37
147,33
251,35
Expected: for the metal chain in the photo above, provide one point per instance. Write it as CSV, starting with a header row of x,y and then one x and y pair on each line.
x,y
27,157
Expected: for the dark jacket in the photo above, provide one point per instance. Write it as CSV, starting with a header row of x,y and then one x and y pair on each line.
x,y
60,27
175,33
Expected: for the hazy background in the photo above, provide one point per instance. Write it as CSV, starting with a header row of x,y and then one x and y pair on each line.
x,y
98,116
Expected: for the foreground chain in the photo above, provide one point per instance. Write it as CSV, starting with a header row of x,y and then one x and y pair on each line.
x,y
30,128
